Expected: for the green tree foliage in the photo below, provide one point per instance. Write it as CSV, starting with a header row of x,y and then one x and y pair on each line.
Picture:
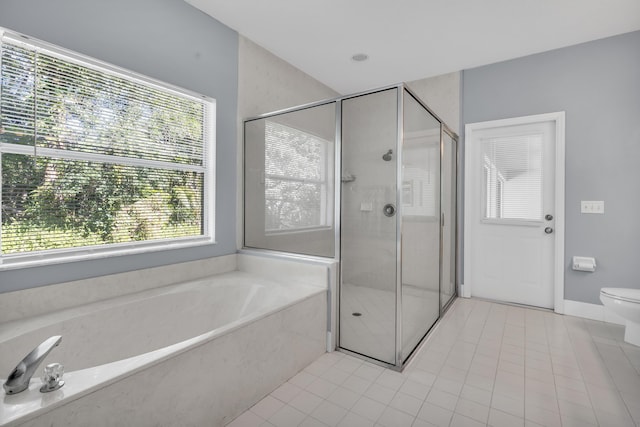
x,y
51,202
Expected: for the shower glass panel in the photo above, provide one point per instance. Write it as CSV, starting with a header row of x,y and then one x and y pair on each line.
x,y
420,223
289,181
449,214
368,180
368,225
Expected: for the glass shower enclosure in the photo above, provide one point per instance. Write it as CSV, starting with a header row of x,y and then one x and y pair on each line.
x,y
369,180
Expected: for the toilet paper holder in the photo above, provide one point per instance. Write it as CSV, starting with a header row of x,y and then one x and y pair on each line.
x,y
583,263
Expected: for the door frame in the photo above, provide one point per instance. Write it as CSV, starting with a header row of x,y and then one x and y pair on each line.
x,y
471,130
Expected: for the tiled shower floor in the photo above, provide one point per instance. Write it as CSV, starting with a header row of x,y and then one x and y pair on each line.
x,y
485,364
374,332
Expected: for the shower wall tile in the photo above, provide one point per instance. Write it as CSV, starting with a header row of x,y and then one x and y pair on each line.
x,y
442,96
369,129
267,83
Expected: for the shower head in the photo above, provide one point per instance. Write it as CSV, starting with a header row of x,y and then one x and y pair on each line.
x,y
387,156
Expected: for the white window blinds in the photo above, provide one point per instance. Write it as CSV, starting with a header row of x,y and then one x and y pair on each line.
x,y
512,184
296,179
421,181
95,155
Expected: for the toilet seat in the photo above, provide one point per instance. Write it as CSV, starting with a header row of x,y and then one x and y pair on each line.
x,y
622,294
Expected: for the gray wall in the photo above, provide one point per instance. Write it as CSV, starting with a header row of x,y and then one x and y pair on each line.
x,y
165,39
597,84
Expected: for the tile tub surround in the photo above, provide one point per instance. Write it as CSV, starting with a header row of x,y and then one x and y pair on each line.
x,y
207,346
45,299
485,364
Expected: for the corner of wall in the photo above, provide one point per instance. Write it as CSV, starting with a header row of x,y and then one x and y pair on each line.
x,y
442,95
268,83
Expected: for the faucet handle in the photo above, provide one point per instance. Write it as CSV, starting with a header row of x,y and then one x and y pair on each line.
x,y
52,377
18,380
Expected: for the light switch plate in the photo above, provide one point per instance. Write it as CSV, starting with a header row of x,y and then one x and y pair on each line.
x,y
592,206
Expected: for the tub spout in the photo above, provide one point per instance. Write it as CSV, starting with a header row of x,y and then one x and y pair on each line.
x,y
19,378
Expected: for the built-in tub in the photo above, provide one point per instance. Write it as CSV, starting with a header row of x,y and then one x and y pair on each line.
x,y
193,354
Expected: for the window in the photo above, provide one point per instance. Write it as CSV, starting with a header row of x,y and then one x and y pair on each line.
x,y
96,159
513,177
297,179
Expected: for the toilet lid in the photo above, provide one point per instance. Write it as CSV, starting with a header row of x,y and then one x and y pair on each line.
x,y
625,294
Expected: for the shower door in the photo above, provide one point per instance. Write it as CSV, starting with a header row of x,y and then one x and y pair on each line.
x,y
420,179
369,248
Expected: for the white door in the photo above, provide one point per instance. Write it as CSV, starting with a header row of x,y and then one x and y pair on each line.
x,y
510,212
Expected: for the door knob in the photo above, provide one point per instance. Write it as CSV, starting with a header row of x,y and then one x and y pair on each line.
x,y
548,217
548,230
389,210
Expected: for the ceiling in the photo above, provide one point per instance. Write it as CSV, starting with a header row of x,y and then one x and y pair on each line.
x,y
413,39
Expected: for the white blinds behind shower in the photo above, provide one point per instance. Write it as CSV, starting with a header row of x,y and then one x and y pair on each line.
x,y
296,179
513,177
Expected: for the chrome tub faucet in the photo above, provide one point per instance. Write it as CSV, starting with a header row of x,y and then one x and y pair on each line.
x,y
19,378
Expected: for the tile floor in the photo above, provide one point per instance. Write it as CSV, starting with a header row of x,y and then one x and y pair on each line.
x,y
485,364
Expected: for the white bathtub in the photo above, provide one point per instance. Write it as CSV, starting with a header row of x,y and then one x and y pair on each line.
x,y
192,354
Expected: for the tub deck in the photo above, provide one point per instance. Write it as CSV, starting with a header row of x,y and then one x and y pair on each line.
x,y
229,313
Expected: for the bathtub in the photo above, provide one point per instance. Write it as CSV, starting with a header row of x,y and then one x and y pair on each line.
x,y
193,354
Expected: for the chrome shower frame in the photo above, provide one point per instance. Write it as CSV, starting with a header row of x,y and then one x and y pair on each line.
x,y
403,90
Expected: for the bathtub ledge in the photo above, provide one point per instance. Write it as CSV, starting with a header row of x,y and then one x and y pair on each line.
x,y
30,404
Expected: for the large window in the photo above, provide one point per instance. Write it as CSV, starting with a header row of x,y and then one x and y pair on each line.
x,y
96,159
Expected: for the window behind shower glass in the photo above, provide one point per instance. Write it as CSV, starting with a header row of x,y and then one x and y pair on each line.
x,y
289,181
97,160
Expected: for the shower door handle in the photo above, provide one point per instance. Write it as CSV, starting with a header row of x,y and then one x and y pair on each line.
x,y
389,210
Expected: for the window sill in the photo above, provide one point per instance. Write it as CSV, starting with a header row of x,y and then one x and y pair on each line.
x,y
513,222
17,261
297,230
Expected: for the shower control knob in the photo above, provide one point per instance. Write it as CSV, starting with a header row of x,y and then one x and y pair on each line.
x,y
389,210
548,230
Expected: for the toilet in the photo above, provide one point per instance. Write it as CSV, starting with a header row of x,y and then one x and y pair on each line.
x,y
625,303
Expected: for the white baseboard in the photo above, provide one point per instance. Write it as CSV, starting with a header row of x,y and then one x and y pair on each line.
x,y
591,311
